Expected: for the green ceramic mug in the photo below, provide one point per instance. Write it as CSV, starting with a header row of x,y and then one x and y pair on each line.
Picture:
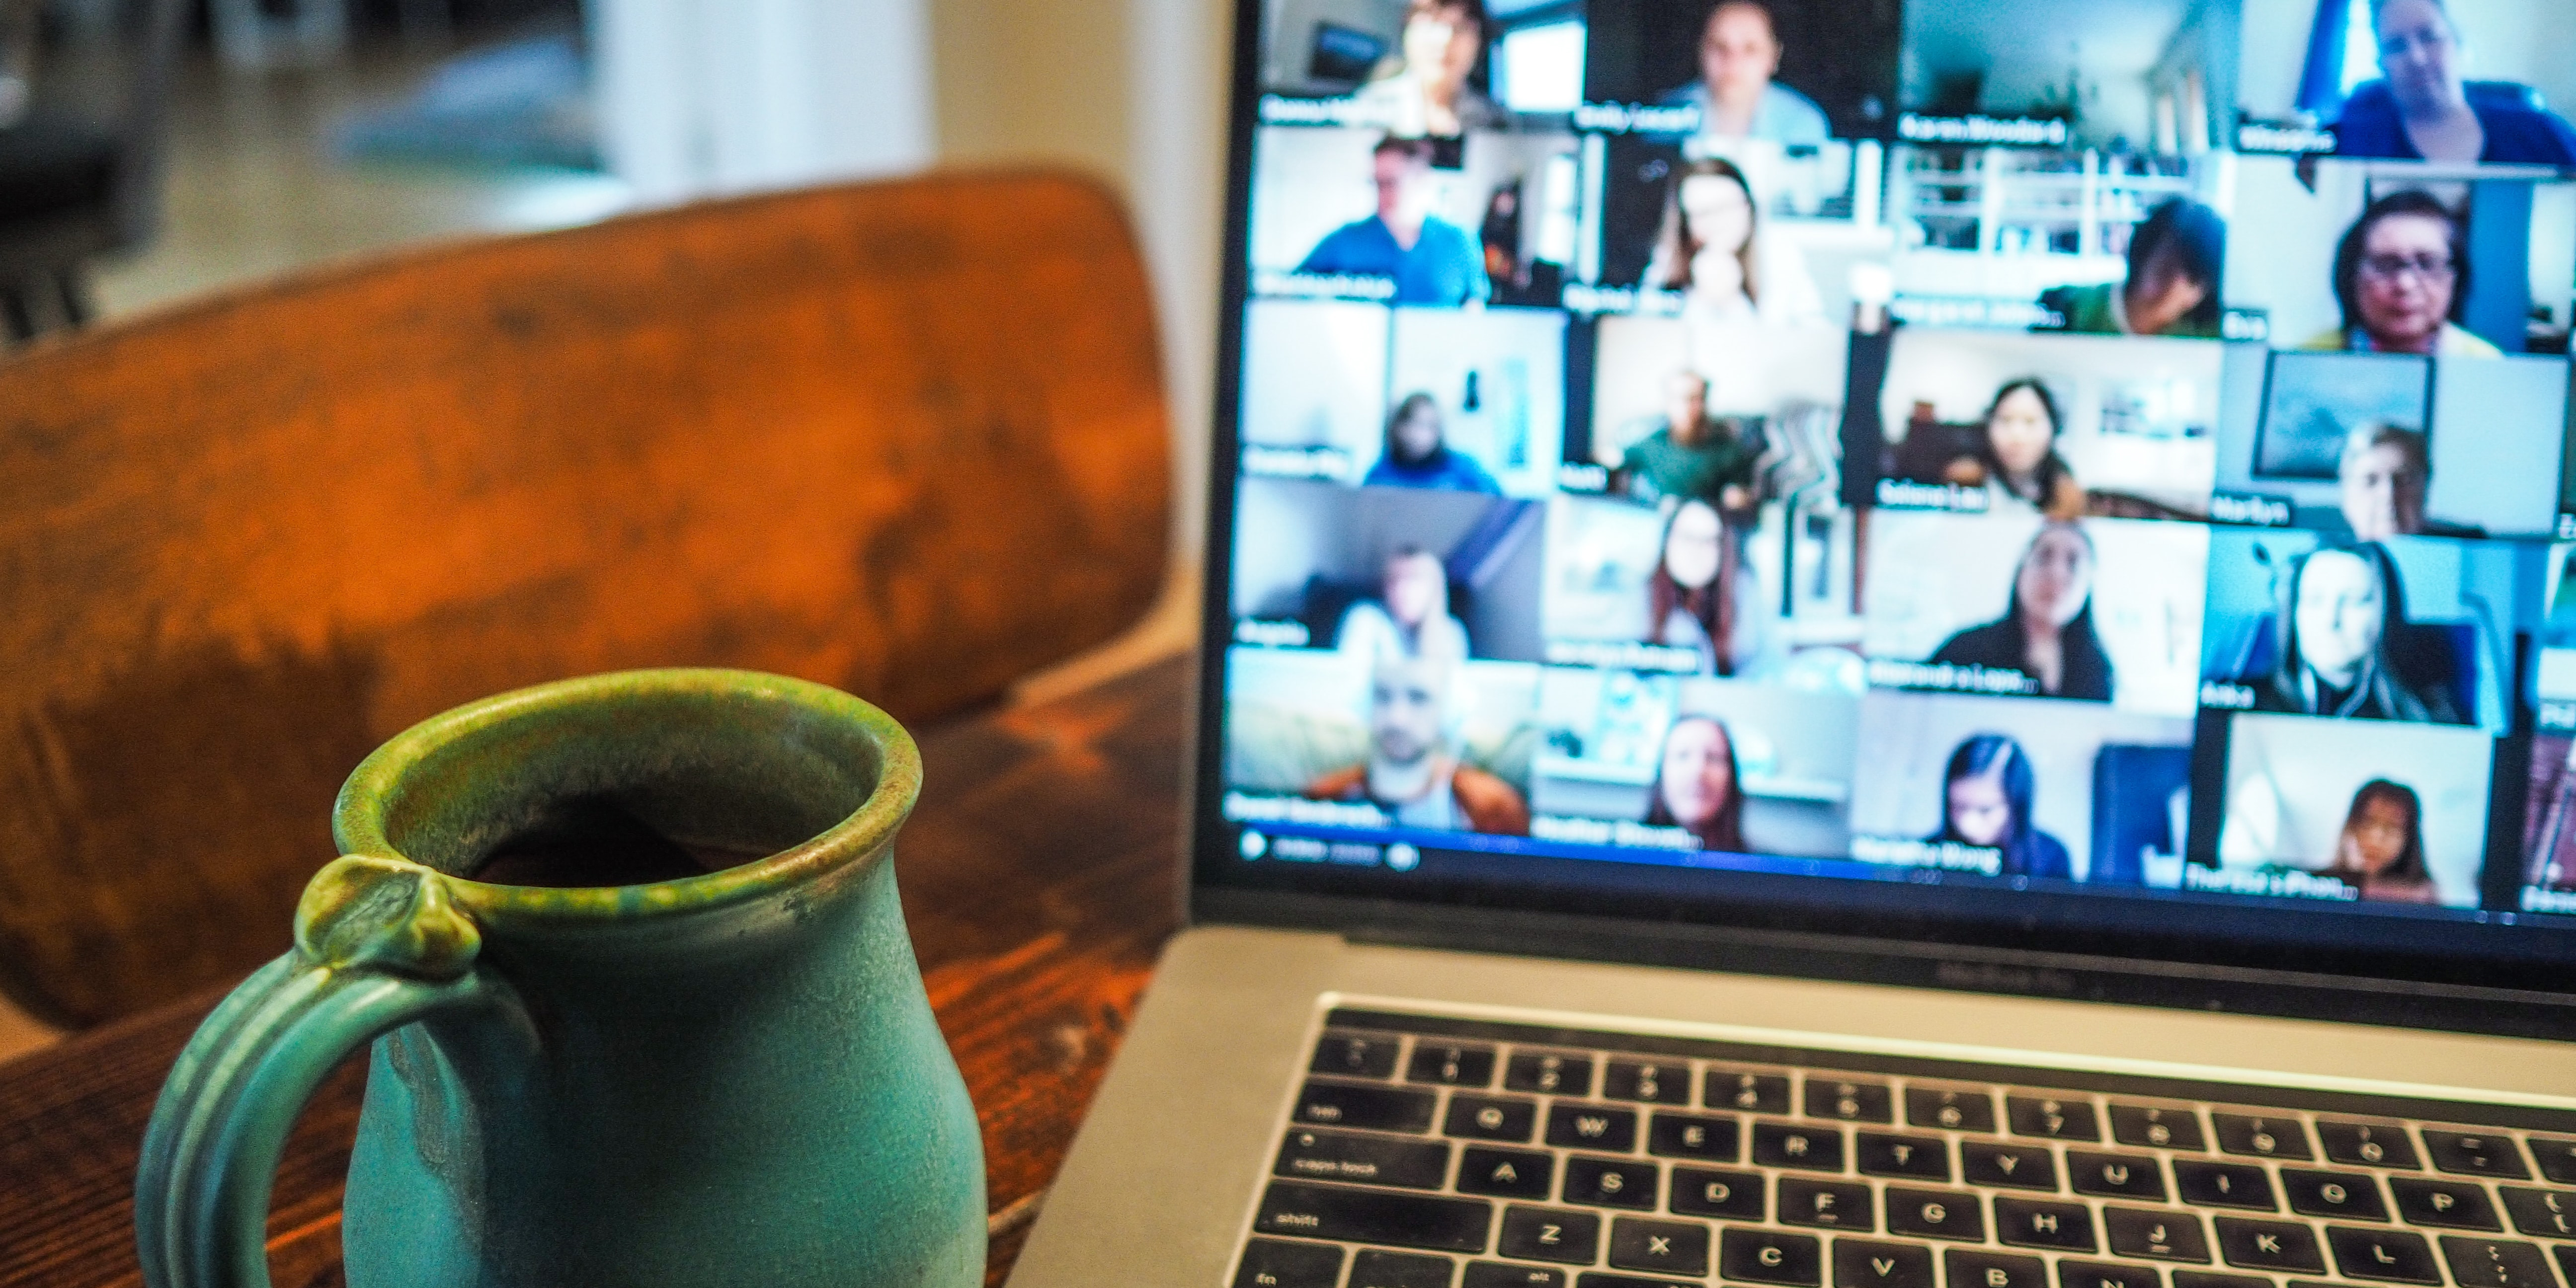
x,y
685,1043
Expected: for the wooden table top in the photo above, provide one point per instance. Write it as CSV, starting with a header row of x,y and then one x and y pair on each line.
x,y
1040,877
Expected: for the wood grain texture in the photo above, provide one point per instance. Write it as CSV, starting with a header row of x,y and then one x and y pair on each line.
x,y
907,439
1039,879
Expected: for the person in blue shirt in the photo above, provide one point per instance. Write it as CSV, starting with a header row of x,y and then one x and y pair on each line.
x,y
2421,108
1417,454
1430,260
1737,97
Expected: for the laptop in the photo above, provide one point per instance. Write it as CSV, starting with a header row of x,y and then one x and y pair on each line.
x,y
1875,644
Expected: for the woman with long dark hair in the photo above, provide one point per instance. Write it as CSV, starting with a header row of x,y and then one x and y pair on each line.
x,y
1697,596
2016,459
1987,794
2380,851
1697,784
1434,86
2046,632
2344,647
1710,248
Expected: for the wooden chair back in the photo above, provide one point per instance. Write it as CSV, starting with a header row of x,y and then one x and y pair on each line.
x,y
904,438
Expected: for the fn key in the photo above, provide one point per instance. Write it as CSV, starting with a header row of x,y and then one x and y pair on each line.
x,y
1277,1263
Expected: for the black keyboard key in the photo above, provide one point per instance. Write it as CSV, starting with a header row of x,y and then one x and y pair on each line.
x,y
2475,1154
1363,1160
1592,1127
1490,1118
1332,1104
1506,1173
2157,1126
2021,1167
2385,1256
1273,1263
1657,1083
1600,1279
2236,1185
1850,1100
2351,1196
1839,1205
1935,1214
2165,1234
2072,1273
2261,1137
1866,1263
1922,1157
1451,1065
1374,1269
2115,1176
1716,1140
1549,1073
1355,1055
1494,1274
1549,1234
1374,1216
2212,1279
2565,1255
2495,1263
1659,1247
1709,1191
2052,1117
1996,1270
2550,1214
1746,1090
2556,1156
1770,1257
1950,1108
1608,1182
1815,1149
2358,1143
2277,1246
2452,1205
2038,1223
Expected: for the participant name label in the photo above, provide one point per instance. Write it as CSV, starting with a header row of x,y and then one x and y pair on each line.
x,y
2276,885
1888,673
1243,807
2549,901
1910,495
1322,286
1637,118
1584,298
1952,856
2226,697
1575,477
1969,311
2557,717
2010,131
1616,832
1272,634
2283,140
1622,656
1328,463
2252,509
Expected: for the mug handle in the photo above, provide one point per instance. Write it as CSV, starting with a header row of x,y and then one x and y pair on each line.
x,y
379,943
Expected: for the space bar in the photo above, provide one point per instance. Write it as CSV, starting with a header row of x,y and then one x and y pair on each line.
x,y
1367,1216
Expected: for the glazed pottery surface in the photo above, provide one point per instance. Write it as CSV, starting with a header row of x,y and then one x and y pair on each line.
x,y
725,1078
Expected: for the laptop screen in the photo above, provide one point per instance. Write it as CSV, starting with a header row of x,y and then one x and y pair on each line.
x,y
2067,470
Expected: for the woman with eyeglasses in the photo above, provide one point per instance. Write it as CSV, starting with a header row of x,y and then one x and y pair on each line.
x,y
2422,109
2402,276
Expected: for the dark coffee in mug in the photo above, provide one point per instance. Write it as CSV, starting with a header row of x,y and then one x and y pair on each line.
x,y
591,841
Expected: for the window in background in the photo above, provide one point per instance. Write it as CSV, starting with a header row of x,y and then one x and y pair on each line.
x,y
1540,68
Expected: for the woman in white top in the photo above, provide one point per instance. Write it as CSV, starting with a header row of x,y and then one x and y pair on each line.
x,y
1711,249
1427,93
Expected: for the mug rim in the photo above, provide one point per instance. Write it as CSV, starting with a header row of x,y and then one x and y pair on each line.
x,y
358,817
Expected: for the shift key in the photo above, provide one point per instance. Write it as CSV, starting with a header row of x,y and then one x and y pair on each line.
x,y
1340,1104
1374,1216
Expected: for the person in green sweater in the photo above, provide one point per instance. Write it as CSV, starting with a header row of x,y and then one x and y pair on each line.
x,y
2177,258
1691,455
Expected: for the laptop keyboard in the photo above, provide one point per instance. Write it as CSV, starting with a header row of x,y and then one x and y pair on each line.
x,y
1428,1152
